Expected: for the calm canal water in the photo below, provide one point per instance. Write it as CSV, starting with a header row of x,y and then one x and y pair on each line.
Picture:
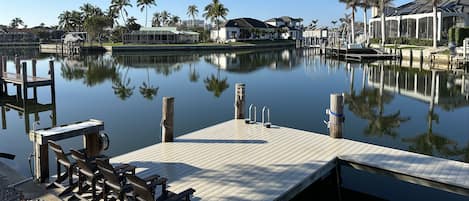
x,y
410,109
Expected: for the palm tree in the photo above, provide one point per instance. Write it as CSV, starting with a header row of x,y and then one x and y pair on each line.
x,y
353,5
118,7
174,20
314,23
164,17
147,90
65,21
214,12
89,10
156,21
435,25
192,11
144,4
16,22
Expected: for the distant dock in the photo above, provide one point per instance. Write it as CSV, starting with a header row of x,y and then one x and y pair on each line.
x,y
359,54
238,161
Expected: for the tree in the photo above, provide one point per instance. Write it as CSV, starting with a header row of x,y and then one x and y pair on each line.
x,y
132,24
165,17
435,24
214,11
89,10
174,20
352,4
16,22
314,23
192,12
118,7
144,4
96,25
65,21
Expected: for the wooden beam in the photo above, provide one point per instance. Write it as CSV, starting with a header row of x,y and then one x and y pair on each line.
x,y
407,178
67,131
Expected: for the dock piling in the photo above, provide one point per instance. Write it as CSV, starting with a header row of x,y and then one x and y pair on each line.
x,y
41,161
240,100
336,116
1,76
34,71
167,121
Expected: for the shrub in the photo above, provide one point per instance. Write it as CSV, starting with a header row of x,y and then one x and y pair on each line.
x,y
458,34
405,41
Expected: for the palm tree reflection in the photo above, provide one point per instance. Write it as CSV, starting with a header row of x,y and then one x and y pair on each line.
x,y
193,74
147,90
122,87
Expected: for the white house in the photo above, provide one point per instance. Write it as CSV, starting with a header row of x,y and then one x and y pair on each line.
x,y
242,29
290,28
415,19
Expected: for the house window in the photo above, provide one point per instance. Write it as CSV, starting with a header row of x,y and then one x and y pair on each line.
x,y
376,29
426,28
233,34
448,22
391,26
408,28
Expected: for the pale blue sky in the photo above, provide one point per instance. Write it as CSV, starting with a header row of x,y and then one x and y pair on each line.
x,y
33,12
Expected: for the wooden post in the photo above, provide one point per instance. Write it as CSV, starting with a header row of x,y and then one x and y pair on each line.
x,y
24,75
411,58
18,71
1,76
5,59
34,63
4,118
17,65
41,161
52,91
240,99
336,115
4,71
167,121
91,144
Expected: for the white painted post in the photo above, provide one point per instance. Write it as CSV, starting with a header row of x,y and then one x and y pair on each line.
x,y
336,116
167,121
240,100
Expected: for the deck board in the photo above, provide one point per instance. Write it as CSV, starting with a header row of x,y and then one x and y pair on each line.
x,y
235,161
32,80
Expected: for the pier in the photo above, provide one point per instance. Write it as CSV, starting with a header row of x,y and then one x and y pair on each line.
x,y
236,160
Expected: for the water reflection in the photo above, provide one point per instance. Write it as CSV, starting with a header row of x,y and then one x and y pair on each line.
x,y
147,90
122,86
93,69
447,90
249,61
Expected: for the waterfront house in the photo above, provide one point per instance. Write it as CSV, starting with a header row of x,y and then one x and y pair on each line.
x,y
160,35
415,19
17,37
290,28
315,36
242,29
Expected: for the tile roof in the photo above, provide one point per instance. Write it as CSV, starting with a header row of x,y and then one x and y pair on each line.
x,y
246,23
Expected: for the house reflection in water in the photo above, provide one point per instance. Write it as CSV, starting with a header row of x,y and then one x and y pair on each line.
x,y
249,61
448,90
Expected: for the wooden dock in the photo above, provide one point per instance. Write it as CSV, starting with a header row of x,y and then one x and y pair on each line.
x,y
238,161
359,54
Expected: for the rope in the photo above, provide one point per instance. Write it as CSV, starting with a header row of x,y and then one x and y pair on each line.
x,y
335,114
